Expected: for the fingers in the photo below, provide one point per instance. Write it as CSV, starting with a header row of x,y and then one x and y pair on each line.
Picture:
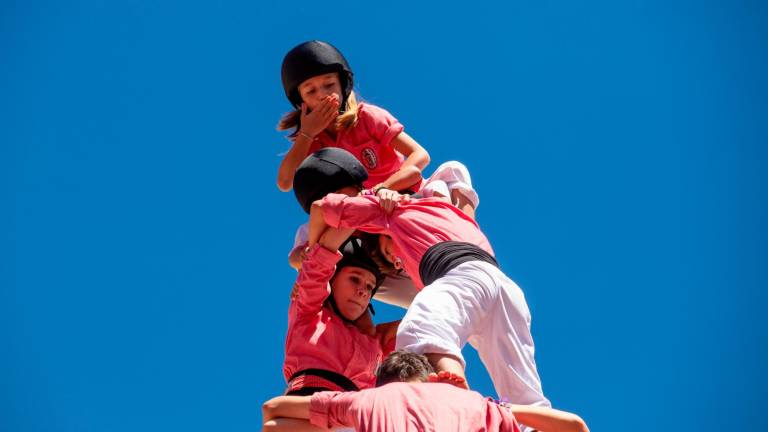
x,y
448,378
321,116
388,199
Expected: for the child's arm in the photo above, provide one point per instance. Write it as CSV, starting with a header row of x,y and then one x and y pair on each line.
x,y
312,281
317,225
548,419
287,413
281,424
291,161
416,159
312,123
341,211
386,332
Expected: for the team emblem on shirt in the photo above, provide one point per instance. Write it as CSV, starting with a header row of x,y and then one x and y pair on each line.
x,y
369,158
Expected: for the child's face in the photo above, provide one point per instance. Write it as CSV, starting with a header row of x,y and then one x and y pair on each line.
x,y
387,248
351,290
317,88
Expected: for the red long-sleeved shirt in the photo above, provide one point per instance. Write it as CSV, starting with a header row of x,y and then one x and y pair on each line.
x,y
414,225
317,337
410,407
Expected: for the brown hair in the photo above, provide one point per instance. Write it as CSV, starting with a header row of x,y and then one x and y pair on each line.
x,y
403,366
345,120
374,251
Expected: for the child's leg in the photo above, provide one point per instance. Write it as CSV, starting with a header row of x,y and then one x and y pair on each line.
x,y
441,318
397,290
505,345
459,185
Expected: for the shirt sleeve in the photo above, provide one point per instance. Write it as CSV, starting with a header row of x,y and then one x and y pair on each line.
x,y
380,124
332,409
360,212
312,281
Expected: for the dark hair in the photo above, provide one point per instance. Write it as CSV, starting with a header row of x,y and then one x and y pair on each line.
x,y
402,366
373,250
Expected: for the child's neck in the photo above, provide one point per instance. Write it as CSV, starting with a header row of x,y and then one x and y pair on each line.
x,y
331,131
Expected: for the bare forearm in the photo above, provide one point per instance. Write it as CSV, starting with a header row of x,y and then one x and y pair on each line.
x,y
333,238
286,406
290,425
404,178
317,225
291,161
416,159
548,419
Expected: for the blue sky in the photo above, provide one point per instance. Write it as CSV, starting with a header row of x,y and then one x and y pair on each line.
x,y
619,150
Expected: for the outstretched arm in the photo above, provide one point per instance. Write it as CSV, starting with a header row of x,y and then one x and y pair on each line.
x,y
548,419
287,413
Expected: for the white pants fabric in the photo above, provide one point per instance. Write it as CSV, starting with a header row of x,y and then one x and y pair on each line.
x,y
397,290
477,303
449,176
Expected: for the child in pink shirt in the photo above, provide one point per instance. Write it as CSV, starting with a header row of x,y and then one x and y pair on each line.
x,y
319,84
324,348
409,403
464,296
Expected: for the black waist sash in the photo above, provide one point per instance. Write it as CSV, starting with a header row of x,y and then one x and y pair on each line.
x,y
442,257
336,378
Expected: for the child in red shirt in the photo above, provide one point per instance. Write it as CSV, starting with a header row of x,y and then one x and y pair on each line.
x,y
325,348
319,84
406,402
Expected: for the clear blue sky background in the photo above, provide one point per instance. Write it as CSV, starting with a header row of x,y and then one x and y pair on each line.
x,y
619,149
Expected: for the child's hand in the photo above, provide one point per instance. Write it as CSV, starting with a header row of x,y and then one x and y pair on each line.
x,y
448,378
312,123
297,256
388,199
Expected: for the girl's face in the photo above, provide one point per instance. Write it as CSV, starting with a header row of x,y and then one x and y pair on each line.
x,y
317,88
387,249
351,290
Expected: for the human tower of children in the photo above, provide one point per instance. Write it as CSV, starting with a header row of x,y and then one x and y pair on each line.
x,y
378,229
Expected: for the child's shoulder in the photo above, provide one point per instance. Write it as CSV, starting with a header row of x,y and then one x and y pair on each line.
x,y
370,112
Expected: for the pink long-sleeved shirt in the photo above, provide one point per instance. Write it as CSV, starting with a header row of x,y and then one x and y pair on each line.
x,y
317,337
410,407
414,226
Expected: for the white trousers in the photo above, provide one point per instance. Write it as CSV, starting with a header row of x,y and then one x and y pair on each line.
x,y
451,175
477,303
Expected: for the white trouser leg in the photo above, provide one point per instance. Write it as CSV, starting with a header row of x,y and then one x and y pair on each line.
x,y
505,345
476,302
451,175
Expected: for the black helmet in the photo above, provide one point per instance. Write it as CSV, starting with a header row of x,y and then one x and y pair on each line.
x,y
354,255
325,171
311,59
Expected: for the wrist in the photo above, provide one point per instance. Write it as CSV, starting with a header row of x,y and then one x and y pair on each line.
x,y
306,135
377,188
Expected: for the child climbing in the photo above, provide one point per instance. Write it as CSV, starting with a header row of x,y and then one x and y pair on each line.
x,y
464,296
